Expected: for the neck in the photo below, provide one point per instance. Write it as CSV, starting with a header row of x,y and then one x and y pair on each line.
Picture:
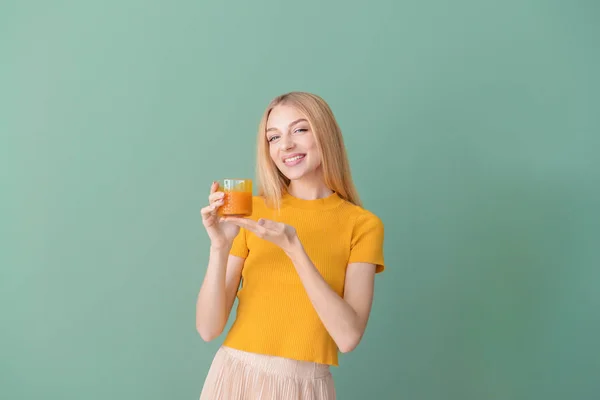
x,y
309,190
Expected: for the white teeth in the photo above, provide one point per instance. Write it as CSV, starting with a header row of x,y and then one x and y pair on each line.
x,y
293,159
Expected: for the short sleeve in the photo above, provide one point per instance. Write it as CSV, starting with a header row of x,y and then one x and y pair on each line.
x,y
367,241
240,247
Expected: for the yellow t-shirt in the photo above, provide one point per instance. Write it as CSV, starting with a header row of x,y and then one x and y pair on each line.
x,y
274,314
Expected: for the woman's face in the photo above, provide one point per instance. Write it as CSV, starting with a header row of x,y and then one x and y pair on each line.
x,y
292,145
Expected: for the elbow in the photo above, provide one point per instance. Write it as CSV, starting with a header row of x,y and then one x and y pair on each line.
x,y
209,329
207,334
207,337
347,347
349,343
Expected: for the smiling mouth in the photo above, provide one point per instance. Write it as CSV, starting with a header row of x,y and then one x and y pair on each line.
x,y
293,160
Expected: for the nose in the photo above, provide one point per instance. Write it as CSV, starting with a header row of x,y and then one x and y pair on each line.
x,y
286,142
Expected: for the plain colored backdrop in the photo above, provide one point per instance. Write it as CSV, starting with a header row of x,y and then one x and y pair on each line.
x,y
472,129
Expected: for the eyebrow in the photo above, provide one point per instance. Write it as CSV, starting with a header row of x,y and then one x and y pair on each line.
x,y
293,123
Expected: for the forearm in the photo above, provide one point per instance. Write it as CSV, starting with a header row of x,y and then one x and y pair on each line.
x,y
211,305
338,317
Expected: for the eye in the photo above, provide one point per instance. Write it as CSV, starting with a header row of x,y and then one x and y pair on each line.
x,y
300,130
272,138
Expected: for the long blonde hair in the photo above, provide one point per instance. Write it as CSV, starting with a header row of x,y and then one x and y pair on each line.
x,y
272,184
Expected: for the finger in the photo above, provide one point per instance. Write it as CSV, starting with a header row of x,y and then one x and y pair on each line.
x,y
259,231
218,203
269,224
215,196
209,210
271,227
242,222
248,224
214,187
206,212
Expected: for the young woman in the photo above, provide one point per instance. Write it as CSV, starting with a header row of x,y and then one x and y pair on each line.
x,y
306,259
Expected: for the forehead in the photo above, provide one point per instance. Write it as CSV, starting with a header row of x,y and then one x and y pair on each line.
x,y
282,115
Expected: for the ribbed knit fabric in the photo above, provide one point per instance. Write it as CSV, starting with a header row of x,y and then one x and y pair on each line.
x,y
274,314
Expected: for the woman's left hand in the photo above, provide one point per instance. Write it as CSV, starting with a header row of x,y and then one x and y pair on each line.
x,y
281,234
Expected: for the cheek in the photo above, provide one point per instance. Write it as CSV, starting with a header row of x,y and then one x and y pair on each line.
x,y
273,153
316,159
312,148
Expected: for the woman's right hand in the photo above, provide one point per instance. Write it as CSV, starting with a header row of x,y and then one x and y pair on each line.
x,y
221,233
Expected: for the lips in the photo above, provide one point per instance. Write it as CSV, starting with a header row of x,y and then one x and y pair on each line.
x,y
293,159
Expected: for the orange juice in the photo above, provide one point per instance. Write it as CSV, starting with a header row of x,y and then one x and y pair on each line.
x,y
236,204
237,200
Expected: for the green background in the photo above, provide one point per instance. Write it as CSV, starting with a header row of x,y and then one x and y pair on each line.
x,y
472,129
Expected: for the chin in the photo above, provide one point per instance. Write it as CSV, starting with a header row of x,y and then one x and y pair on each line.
x,y
298,175
294,176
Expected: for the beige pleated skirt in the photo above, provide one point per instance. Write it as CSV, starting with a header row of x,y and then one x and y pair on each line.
x,y
238,375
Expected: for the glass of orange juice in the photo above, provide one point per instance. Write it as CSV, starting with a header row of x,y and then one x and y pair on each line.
x,y
237,200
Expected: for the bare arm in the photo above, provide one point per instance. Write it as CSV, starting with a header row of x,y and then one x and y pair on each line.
x,y
344,318
223,274
217,292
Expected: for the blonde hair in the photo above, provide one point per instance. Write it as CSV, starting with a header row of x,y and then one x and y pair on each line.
x,y
272,184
